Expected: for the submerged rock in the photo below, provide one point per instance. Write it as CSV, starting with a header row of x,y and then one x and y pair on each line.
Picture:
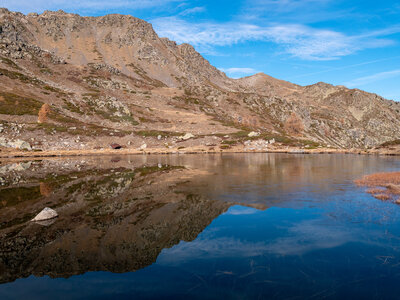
x,y
46,214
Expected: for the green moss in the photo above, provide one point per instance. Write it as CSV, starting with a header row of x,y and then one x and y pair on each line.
x,y
73,108
187,99
9,62
46,71
20,77
229,142
144,171
155,133
390,143
225,147
12,104
13,196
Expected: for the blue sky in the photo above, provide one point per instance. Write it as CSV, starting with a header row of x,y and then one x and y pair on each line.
x,y
351,43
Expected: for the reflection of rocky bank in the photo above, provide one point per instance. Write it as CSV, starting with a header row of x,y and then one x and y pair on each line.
x,y
111,219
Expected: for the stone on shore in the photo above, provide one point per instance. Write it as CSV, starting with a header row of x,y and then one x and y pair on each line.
x,y
16,144
253,134
46,214
186,137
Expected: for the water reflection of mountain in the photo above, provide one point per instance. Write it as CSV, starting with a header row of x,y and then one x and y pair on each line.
x,y
112,218
118,213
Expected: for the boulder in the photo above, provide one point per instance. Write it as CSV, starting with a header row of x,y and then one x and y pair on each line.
x,y
253,134
46,214
17,144
186,137
144,146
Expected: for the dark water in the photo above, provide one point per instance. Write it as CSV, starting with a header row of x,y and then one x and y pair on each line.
x,y
249,226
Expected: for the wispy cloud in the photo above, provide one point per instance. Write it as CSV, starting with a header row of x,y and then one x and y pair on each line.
x,y
192,11
74,5
284,5
372,78
346,67
237,72
305,11
296,40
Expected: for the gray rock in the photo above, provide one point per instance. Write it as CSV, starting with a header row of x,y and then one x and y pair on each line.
x,y
17,144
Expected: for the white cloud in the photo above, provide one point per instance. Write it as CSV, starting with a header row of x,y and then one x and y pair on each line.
x,y
192,11
301,238
26,6
284,5
372,78
239,70
241,210
297,40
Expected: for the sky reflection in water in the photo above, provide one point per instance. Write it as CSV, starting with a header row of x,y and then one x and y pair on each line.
x,y
294,227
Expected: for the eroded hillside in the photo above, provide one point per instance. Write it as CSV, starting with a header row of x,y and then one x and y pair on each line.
x,y
72,82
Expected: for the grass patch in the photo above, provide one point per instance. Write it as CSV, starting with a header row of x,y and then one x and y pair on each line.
x,y
224,147
13,196
156,133
9,62
144,171
390,143
12,104
226,142
20,77
382,186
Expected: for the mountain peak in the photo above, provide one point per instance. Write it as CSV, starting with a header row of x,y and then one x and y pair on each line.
x,y
120,75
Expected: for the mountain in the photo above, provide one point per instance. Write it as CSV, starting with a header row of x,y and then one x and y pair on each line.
x,y
72,82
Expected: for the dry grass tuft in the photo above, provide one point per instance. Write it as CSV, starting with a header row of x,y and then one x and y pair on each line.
x,y
382,196
374,191
383,186
380,179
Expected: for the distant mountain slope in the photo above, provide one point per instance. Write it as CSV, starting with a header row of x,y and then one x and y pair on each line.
x,y
112,78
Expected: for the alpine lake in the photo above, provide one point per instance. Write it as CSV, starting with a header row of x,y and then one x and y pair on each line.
x,y
218,226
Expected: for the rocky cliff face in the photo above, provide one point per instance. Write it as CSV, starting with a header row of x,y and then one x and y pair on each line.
x,y
113,76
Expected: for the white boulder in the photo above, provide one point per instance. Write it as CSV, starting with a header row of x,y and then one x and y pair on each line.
x,y
253,134
186,137
46,214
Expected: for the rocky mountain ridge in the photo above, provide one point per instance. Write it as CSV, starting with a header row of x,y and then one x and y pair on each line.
x,y
112,79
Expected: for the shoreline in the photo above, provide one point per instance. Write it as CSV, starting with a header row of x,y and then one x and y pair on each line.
x,y
195,150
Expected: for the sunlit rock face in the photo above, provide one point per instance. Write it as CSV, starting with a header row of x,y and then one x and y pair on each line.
x,y
109,76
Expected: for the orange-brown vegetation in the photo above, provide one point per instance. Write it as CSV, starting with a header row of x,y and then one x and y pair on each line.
x,y
294,125
380,179
45,189
383,185
44,113
382,196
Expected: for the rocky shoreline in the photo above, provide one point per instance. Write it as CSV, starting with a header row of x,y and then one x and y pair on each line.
x,y
195,150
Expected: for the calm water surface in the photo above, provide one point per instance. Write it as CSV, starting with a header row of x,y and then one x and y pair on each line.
x,y
241,226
